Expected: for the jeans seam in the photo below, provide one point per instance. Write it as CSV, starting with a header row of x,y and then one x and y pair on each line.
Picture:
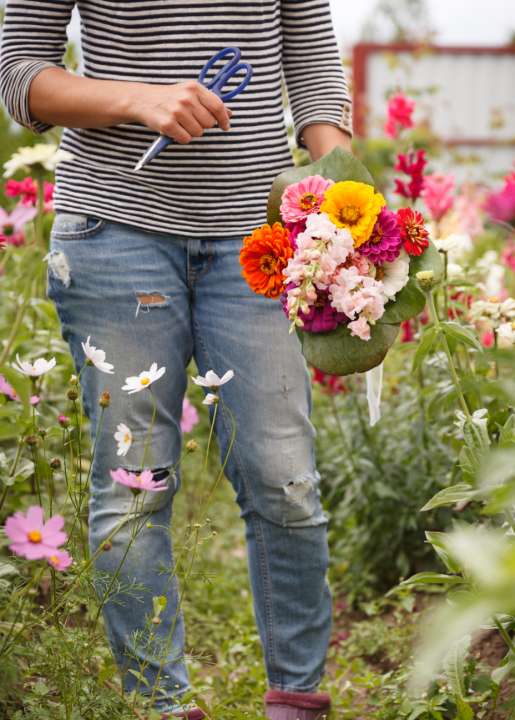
x,y
267,586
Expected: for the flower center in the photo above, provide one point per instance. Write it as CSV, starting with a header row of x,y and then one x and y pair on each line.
x,y
268,264
380,273
8,229
34,536
126,438
378,235
308,201
54,559
349,214
145,381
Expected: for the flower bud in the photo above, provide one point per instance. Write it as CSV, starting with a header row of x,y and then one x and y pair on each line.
x,y
55,463
191,445
107,545
42,432
426,278
74,380
105,399
31,440
64,421
72,394
156,621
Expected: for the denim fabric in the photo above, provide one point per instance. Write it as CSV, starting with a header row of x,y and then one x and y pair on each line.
x,y
204,310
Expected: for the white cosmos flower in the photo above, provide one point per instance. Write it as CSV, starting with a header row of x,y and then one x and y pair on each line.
x,y
211,379
135,383
210,399
123,437
35,369
97,357
506,335
46,154
396,275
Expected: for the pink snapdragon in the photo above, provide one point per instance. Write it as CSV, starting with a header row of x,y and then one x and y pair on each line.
x,y
501,205
28,190
189,416
138,481
399,114
438,194
33,538
360,298
412,164
12,224
303,198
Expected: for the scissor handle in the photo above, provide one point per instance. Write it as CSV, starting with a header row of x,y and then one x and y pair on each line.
x,y
234,66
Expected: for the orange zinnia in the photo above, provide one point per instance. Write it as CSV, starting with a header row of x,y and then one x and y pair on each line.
x,y
264,256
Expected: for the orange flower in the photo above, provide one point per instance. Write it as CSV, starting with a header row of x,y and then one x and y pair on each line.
x,y
264,256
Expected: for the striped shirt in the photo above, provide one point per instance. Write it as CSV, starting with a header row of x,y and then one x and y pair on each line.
x,y
217,185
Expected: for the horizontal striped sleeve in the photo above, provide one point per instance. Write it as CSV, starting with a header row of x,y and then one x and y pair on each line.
x,y
315,80
33,39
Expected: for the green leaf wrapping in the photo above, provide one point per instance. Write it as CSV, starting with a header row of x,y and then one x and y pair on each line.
x,y
408,303
339,353
430,259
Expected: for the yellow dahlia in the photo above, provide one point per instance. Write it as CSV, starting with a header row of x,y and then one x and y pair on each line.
x,y
354,206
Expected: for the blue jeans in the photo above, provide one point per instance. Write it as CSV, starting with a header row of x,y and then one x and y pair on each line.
x,y
147,297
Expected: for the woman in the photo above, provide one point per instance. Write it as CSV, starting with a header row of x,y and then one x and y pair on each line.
x,y
147,265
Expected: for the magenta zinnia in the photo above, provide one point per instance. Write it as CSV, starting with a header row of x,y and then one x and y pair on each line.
x,y
303,198
385,242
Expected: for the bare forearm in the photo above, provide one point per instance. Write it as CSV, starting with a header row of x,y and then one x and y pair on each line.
x,y
321,138
60,98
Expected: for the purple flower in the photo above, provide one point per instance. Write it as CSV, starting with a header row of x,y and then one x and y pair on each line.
x,y
322,316
295,228
385,243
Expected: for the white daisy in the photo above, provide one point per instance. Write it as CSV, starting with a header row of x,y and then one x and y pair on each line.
x,y
135,383
35,369
123,437
211,379
395,275
97,357
46,154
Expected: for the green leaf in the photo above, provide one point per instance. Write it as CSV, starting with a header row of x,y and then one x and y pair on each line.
x,y
337,165
140,677
455,331
438,541
450,496
454,667
339,353
431,578
425,346
430,259
408,303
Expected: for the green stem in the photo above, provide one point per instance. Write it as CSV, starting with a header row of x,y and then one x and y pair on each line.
x,y
507,639
38,219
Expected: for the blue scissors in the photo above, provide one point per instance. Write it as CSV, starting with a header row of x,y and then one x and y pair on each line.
x,y
216,85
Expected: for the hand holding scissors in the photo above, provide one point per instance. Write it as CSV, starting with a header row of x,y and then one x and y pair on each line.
x,y
216,84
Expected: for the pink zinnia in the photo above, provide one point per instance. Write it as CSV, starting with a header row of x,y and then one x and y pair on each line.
x,y
385,242
294,230
508,255
138,481
303,198
438,194
32,537
413,165
189,416
399,112
7,389
501,205
12,224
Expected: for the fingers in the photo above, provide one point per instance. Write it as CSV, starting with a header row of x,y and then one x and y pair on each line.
x,y
215,106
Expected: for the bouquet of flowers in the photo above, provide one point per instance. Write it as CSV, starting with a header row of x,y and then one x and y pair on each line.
x,y
343,265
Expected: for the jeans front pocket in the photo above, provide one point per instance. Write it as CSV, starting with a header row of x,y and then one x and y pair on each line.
x,y
76,226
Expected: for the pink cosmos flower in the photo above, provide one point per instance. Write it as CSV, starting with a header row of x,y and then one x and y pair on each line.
x,y
7,389
189,416
438,194
60,560
12,224
34,400
138,481
304,198
28,190
399,112
508,255
501,205
31,537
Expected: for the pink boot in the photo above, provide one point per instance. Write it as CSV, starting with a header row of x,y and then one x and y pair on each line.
x,y
282,705
195,714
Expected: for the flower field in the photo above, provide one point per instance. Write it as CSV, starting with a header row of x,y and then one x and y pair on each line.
x,y
421,503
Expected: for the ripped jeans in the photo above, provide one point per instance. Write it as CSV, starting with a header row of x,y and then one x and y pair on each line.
x,y
147,297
